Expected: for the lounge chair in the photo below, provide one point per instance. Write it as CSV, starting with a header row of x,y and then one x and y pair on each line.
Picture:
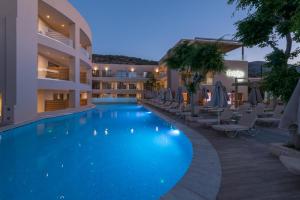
x,y
260,109
277,112
269,121
188,112
172,105
185,109
244,125
244,107
225,117
177,109
292,164
166,104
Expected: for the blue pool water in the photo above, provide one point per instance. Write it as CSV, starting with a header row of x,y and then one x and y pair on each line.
x,y
111,152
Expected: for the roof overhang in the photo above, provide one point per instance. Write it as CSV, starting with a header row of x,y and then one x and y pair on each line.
x,y
225,46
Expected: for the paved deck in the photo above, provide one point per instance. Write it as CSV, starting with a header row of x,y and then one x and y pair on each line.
x,y
203,178
249,171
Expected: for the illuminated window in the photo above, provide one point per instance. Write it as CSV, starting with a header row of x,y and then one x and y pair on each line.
x,y
209,79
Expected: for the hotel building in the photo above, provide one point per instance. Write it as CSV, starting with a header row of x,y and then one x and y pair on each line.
x,y
233,78
123,77
45,59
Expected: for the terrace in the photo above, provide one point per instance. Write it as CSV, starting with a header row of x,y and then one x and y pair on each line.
x,y
55,65
55,26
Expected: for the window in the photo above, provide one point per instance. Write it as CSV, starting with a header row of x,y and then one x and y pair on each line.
x,y
96,85
209,79
122,95
132,74
132,95
132,86
121,73
106,73
121,86
58,96
96,73
106,86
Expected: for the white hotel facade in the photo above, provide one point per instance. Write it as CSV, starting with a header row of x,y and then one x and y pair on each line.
x,y
46,64
45,59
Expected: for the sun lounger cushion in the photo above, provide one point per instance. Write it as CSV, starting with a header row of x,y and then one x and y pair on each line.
x,y
230,128
268,120
207,121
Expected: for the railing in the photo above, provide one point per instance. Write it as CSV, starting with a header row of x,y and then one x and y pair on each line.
x,y
120,77
85,53
57,36
54,73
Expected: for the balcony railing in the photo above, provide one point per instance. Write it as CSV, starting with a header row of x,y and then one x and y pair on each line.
x,y
57,36
120,77
54,73
85,53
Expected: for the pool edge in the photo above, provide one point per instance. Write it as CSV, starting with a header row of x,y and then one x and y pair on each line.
x,y
46,116
203,178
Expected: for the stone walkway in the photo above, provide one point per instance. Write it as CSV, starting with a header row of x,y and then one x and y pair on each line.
x,y
249,171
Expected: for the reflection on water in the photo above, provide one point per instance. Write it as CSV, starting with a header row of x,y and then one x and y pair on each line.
x,y
111,152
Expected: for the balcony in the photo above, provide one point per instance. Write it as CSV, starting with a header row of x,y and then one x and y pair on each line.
x,y
55,25
52,34
54,72
108,77
85,53
54,65
86,45
85,74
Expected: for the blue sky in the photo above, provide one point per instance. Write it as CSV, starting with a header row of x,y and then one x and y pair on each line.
x,y
148,28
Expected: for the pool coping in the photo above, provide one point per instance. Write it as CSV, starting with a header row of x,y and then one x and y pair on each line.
x,y
48,115
202,180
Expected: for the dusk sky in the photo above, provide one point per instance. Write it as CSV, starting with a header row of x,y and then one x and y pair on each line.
x,y
148,28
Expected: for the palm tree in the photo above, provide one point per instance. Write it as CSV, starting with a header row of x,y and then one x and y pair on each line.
x,y
194,61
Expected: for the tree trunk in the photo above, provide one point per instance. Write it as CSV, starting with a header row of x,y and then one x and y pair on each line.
x,y
289,43
192,102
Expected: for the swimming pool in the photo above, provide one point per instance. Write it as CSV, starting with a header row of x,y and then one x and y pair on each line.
x,y
110,152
